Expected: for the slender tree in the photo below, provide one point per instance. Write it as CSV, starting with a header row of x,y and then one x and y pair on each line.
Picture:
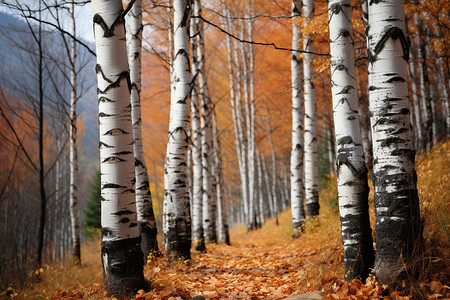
x,y
145,215
252,146
73,159
260,190
235,102
197,173
275,199
209,197
398,227
222,215
121,249
415,95
422,60
353,190
296,164
176,206
268,186
310,139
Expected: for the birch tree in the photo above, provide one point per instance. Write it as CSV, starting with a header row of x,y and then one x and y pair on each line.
x,y
121,250
73,157
310,139
296,167
262,212
222,215
249,100
422,60
415,95
209,205
176,207
235,100
353,190
276,206
197,173
145,215
268,187
398,228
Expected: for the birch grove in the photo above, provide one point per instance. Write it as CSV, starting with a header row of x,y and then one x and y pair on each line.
x,y
121,250
237,116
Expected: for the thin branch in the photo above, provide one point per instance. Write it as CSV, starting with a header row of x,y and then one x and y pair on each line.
x,y
18,140
258,43
127,9
63,31
10,173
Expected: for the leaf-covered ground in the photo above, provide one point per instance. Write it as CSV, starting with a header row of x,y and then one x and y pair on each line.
x,y
268,264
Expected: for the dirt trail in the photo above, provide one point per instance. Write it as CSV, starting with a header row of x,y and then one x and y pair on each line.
x,y
264,264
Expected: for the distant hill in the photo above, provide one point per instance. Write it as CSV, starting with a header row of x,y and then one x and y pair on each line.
x,y
18,64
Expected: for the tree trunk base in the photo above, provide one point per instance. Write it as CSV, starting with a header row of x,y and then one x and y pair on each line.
x,y
123,267
149,242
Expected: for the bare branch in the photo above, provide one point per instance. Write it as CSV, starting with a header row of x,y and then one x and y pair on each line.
x,y
258,43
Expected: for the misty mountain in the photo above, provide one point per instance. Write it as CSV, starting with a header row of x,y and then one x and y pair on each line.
x,y
19,77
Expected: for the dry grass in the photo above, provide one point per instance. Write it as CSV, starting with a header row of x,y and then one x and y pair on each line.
x,y
54,279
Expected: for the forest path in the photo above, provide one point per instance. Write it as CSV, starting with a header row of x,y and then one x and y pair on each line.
x,y
263,264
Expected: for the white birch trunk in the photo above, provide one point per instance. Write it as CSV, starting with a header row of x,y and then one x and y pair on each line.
x,y
331,152
353,189
235,99
145,215
246,136
251,126
176,207
284,188
415,95
274,173
433,92
209,199
296,163
262,210
222,219
397,226
252,158
121,252
197,213
310,139
73,160
268,186
170,39
424,86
